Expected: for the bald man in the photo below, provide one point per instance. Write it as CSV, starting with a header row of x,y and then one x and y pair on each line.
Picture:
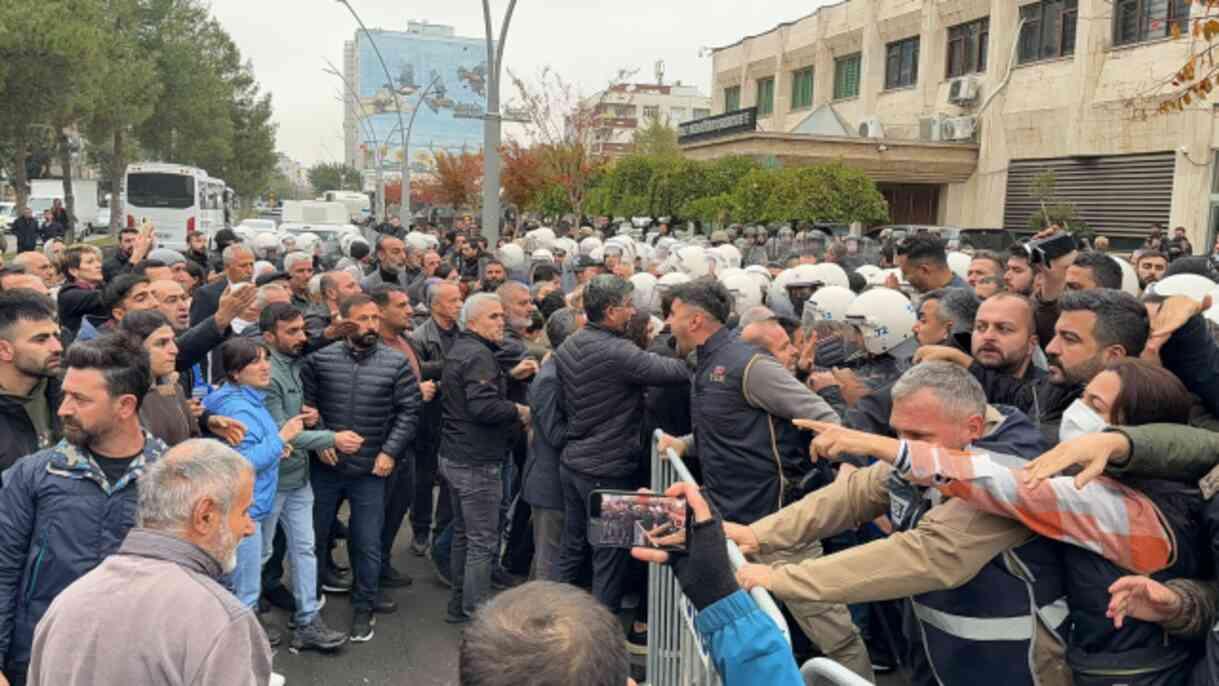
x,y
14,280
769,335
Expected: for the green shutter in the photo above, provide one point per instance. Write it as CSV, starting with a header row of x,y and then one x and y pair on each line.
x,y
766,97
846,76
732,99
802,89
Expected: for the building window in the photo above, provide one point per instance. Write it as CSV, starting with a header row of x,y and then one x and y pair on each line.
x,y
766,97
967,47
701,113
732,98
846,76
651,111
901,63
624,111
1135,21
802,89
678,114
1048,31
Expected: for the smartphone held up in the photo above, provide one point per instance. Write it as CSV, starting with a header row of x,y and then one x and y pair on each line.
x,y
627,519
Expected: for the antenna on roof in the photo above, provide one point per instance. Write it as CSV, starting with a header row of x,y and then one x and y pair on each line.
x,y
660,72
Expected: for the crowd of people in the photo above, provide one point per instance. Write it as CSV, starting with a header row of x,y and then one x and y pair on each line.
x,y
967,465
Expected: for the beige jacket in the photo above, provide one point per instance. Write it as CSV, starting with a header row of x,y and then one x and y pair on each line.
x,y
950,544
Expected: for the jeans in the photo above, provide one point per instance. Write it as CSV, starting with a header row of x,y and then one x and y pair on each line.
x,y
477,491
399,494
294,513
247,577
366,498
547,543
609,564
425,480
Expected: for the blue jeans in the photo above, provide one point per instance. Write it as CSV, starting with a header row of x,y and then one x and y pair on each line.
x,y
477,492
247,577
366,500
294,510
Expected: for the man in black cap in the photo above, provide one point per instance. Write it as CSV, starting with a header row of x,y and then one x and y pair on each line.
x,y
586,268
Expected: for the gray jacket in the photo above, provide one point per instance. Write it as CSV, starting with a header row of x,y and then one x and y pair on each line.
x,y
201,633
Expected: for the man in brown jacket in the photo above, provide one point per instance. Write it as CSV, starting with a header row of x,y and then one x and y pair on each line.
x,y
194,510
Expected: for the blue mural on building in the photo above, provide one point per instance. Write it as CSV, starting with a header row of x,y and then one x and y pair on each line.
x,y
458,66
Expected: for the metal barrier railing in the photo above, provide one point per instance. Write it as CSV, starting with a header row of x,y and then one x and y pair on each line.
x,y
676,656
821,670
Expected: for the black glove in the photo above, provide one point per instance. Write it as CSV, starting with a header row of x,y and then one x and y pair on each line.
x,y
704,572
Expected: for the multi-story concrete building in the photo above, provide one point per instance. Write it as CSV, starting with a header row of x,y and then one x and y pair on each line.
x,y
626,107
955,106
438,78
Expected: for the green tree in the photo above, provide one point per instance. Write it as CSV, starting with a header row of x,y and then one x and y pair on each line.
x,y
332,176
49,49
657,139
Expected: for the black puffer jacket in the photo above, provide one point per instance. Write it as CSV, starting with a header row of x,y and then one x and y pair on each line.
x,y
371,392
479,424
603,376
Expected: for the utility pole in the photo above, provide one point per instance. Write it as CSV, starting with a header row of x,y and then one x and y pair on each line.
x,y
492,124
371,133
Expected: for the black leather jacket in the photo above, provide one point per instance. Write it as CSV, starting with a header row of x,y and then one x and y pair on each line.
x,y
372,392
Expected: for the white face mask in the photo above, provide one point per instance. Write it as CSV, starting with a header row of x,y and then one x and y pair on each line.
x,y
1079,419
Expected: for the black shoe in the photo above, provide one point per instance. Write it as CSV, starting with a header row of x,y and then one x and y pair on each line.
x,y
392,578
419,546
333,583
280,597
317,636
637,642
384,606
361,626
502,579
451,617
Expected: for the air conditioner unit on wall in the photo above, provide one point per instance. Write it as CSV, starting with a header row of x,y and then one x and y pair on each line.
x,y
871,128
963,90
959,128
931,128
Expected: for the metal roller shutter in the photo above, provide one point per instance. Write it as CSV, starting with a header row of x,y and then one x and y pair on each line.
x,y
1119,196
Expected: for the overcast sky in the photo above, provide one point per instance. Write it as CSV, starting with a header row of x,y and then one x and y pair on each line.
x,y
585,41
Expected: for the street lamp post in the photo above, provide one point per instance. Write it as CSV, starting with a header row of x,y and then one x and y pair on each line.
x,y
404,208
492,124
372,134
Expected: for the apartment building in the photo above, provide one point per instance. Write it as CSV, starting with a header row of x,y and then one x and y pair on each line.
x,y
626,107
955,106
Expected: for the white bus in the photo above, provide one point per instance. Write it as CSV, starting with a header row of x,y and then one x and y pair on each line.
x,y
178,199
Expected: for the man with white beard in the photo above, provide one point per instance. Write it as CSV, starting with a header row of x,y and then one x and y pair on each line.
x,y
193,511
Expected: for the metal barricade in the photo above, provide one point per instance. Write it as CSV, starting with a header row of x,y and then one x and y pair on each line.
x,y
822,670
676,656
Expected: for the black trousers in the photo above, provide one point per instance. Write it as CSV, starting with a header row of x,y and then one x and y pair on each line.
x,y
399,494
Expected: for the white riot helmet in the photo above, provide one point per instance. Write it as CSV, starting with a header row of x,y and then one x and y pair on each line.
x,y
245,233
731,256
542,255
288,242
776,296
868,271
646,297
307,242
885,317
829,304
540,239
418,241
588,245
759,274
745,291
1195,286
879,278
670,280
623,245
568,246
958,262
692,260
1130,278
513,257
818,275
266,244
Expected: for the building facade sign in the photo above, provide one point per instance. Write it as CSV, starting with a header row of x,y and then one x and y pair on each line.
x,y
718,125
